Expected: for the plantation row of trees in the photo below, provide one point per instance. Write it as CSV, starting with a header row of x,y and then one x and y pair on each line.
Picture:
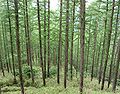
x,y
81,40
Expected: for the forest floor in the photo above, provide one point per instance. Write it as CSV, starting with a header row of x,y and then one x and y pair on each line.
x,y
90,87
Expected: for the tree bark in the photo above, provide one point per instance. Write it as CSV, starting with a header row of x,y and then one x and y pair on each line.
x,y
48,74
117,67
66,43
59,45
82,42
40,43
18,45
103,47
71,55
11,42
113,50
108,45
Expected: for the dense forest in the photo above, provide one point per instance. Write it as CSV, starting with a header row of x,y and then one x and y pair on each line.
x,y
73,48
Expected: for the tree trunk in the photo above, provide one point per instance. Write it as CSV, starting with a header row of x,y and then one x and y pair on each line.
x,y
94,51
113,50
66,43
45,37
89,40
5,46
40,43
103,46
71,55
18,45
117,67
59,45
29,44
11,42
108,45
82,42
48,74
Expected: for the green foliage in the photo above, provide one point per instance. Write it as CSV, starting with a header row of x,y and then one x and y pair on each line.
x,y
27,71
53,71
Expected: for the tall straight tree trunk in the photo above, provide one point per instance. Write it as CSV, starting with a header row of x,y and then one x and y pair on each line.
x,y
71,55
98,58
77,54
108,45
26,35
5,46
9,60
89,40
48,74
66,43
1,57
18,45
29,44
59,45
113,50
45,37
103,47
11,42
1,65
82,42
94,51
40,43
54,60
117,66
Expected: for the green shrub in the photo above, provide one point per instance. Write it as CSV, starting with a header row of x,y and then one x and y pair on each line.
x,y
27,71
53,71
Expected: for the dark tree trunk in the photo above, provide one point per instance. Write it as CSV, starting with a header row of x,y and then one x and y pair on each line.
x,y
45,37
1,60
89,40
82,42
26,35
71,55
103,47
29,44
94,51
66,43
77,54
113,50
18,45
40,43
117,66
59,45
98,58
48,74
11,42
108,45
5,46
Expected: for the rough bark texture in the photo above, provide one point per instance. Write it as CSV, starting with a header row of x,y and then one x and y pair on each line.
x,y
103,47
82,42
71,55
40,43
11,43
48,74
108,45
29,43
45,37
18,45
59,45
94,51
66,43
117,67
113,50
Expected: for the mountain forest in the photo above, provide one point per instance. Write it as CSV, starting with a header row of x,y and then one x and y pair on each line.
x,y
59,46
